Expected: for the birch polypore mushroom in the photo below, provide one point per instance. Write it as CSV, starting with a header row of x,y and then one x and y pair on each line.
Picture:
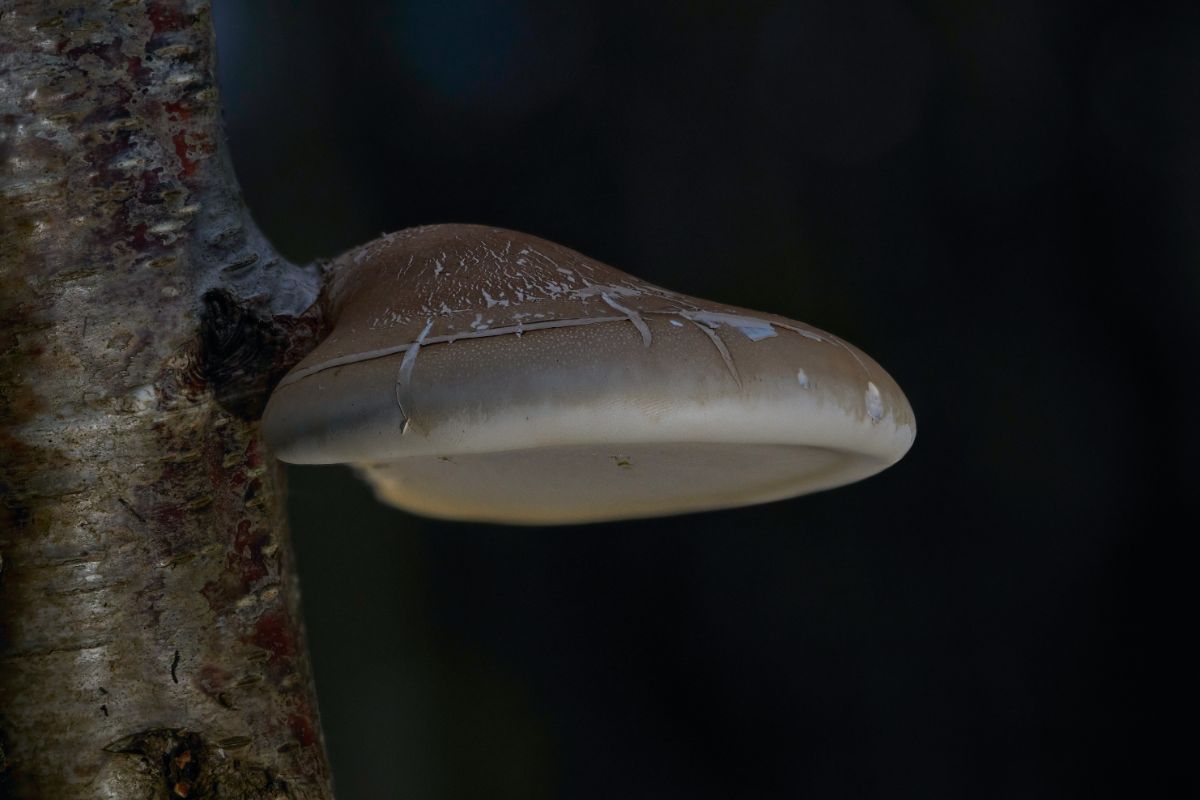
x,y
482,374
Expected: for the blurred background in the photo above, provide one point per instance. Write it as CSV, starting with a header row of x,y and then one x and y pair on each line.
x,y
997,200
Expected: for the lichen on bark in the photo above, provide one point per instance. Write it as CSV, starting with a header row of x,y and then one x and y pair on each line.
x,y
150,635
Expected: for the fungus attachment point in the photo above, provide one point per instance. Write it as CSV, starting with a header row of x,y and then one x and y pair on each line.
x,y
481,374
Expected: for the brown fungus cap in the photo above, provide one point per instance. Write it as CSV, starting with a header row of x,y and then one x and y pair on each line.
x,y
483,374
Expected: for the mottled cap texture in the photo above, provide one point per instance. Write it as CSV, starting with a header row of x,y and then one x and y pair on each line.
x,y
482,374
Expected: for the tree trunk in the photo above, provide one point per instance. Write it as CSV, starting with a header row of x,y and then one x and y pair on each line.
x,y
151,637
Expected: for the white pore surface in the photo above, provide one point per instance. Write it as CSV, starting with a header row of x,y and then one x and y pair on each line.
x,y
573,484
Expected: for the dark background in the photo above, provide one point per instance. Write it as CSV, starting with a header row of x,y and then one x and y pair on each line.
x,y
997,200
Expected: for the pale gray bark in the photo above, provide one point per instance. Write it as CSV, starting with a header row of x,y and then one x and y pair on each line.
x,y
151,636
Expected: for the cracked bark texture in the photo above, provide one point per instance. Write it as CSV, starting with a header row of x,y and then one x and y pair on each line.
x,y
150,636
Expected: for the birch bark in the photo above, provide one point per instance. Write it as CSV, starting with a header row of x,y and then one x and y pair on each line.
x,y
151,643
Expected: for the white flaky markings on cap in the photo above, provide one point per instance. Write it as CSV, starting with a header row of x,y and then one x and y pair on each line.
x,y
404,378
704,321
715,338
752,328
632,316
496,293
874,402
522,275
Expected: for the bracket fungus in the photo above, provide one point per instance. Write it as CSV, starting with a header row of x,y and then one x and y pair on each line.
x,y
481,374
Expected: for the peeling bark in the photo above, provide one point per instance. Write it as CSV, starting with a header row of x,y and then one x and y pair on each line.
x,y
151,642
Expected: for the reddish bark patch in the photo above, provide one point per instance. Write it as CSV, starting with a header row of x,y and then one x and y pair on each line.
x,y
254,458
212,679
273,633
168,516
107,51
302,729
181,151
133,65
216,597
214,682
246,557
165,18
178,110
137,237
